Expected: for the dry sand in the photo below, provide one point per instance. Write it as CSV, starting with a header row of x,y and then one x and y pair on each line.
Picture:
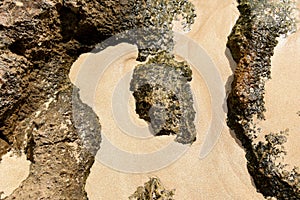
x,y
283,97
13,170
220,175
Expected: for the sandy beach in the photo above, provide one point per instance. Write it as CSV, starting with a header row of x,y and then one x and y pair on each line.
x,y
222,174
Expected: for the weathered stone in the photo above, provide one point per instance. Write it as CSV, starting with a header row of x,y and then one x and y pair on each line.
x,y
252,42
40,113
153,189
63,139
164,97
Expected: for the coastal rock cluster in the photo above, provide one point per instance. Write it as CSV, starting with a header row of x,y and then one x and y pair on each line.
x,y
252,42
41,113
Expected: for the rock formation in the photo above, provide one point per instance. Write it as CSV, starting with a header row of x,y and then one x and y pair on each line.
x,y
164,97
154,190
252,42
161,85
41,113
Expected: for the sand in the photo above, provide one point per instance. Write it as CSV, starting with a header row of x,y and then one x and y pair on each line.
x,y
13,170
282,97
222,174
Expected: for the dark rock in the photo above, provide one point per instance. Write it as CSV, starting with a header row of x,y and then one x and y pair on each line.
x,y
164,97
252,42
153,189
40,112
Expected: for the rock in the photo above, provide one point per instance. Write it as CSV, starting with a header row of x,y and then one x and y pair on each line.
x,y
40,111
164,97
153,189
4,147
62,149
252,42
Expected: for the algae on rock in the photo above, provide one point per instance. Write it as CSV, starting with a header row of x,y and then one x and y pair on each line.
x,y
164,97
161,85
152,190
252,42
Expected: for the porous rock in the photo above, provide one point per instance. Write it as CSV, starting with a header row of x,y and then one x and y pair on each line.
x,y
164,97
252,42
40,110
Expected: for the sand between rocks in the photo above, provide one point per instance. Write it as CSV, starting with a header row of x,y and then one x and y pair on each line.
x,y
222,174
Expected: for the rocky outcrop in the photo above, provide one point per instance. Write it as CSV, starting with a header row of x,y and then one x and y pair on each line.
x,y
61,140
164,97
40,110
252,42
39,42
161,85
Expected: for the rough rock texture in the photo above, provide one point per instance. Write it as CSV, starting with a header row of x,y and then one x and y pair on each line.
x,y
152,190
40,113
153,22
252,42
39,42
160,87
62,139
164,97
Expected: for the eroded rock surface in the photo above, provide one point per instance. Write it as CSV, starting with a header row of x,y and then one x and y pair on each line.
x,y
160,87
62,140
164,97
37,114
252,42
153,190
40,112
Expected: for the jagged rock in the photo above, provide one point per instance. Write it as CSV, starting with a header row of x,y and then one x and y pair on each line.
x,y
164,97
62,140
160,87
39,41
252,42
153,190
